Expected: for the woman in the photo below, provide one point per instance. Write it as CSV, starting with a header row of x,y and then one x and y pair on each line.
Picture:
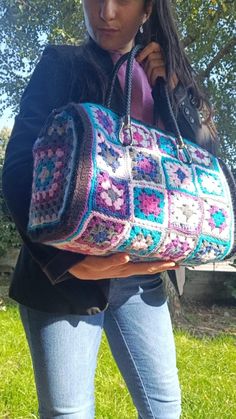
x,y
66,299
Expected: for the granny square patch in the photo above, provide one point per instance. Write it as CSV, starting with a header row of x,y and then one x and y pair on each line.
x,y
179,176
202,157
145,167
185,212
141,241
104,120
109,157
149,204
208,249
209,183
142,136
111,196
51,177
176,246
216,221
101,233
166,145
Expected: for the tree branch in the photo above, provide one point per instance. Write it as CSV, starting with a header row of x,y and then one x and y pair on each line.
x,y
221,54
211,20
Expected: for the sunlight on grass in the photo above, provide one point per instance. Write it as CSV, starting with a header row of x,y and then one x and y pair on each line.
x,y
206,368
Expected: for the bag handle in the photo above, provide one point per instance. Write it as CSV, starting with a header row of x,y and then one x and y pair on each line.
x,y
126,128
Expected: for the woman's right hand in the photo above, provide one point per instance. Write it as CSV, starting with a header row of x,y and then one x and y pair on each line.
x,y
116,266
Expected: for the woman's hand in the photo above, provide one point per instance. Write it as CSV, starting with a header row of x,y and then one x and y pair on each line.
x,y
116,266
151,58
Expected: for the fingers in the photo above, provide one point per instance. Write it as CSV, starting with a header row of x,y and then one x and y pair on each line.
x,y
152,60
148,268
153,47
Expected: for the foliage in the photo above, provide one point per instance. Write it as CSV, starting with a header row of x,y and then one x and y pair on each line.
x,y
206,27
206,370
8,234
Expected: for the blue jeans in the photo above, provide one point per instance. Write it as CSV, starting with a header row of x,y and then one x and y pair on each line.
x,y
137,324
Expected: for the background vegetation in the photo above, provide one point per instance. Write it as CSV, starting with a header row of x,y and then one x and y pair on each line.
x,y
9,237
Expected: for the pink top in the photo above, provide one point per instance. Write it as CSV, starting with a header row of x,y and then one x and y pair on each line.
x,y
142,101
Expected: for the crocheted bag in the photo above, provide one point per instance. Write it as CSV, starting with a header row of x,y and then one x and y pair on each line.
x,y
103,183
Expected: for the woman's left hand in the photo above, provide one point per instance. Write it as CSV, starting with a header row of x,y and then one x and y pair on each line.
x,y
151,58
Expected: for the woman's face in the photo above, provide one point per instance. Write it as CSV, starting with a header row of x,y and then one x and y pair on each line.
x,y
113,24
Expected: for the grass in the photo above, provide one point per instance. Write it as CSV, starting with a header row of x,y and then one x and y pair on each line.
x,y
206,368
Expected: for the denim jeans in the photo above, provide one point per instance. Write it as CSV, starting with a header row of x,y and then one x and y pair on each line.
x,y
137,324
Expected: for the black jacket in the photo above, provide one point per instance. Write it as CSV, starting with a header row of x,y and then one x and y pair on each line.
x,y
41,279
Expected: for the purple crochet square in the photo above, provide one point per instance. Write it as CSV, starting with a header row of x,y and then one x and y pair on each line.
x,y
104,120
101,234
202,157
145,167
51,168
176,246
217,219
111,196
149,204
142,136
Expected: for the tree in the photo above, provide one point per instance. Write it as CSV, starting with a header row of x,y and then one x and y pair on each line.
x,y
206,27
8,235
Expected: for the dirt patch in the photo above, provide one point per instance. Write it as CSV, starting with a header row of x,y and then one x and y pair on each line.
x,y
202,320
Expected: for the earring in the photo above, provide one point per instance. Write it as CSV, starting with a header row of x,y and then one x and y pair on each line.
x,y
141,29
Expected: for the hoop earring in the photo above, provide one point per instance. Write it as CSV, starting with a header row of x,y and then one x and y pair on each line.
x,y
141,29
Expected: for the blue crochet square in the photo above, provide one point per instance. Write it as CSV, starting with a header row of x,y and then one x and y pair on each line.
x,y
178,176
209,183
110,157
207,250
166,145
141,241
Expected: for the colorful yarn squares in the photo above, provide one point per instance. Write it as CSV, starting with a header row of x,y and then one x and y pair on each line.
x,y
149,204
201,157
217,219
178,176
61,124
166,145
141,241
101,234
185,212
208,249
111,196
209,183
109,157
50,168
145,167
176,246
104,120
141,136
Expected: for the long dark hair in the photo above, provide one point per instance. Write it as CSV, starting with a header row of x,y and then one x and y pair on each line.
x,y
160,28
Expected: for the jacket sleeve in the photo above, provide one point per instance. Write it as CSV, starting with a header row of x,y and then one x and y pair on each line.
x,y
188,117
48,88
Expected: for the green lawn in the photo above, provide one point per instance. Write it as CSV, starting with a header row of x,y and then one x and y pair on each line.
x,y
207,369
